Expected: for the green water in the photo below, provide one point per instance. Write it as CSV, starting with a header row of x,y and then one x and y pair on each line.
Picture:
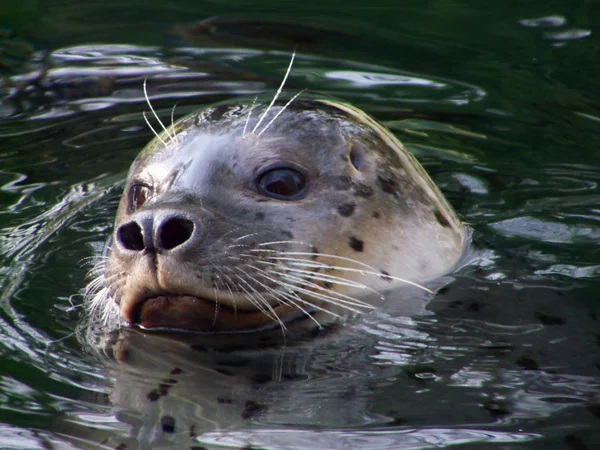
x,y
498,100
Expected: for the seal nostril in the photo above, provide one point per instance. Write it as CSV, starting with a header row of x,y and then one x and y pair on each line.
x,y
174,232
130,236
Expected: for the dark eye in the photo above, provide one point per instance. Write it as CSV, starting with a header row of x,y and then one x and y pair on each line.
x,y
138,196
283,183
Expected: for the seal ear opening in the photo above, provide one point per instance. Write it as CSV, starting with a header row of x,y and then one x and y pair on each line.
x,y
356,157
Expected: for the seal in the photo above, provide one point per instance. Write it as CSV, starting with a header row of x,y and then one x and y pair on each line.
x,y
247,215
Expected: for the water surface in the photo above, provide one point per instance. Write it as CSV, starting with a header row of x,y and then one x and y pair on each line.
x,y
499,104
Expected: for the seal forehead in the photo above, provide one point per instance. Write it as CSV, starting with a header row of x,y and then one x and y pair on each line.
x,y
205,145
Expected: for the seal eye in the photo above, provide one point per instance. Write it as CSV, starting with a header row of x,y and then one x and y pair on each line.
x,y
138,196
283,183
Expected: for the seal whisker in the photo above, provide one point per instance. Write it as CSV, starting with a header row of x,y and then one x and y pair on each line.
x,y
154,112
295,287
243,237
271,313
317,277
216,301
99,264
292,298
296,298
91,260
265,301
265,244
94,286
248,117
311,263
261,299
218,268
98,305
153,130
98,312
344,299
173,124
305,275
250,298
96,283
327,278
97,270
289,69
280,111
370,270
249,291
323,276
253,249
330,299
100,276
233,230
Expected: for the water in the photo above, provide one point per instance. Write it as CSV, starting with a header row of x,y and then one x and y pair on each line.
x,y
500,105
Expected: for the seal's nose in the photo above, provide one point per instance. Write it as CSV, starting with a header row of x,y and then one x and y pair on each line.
x,y
153,232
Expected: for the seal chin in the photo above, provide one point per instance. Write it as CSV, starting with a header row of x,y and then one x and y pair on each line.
x,y
187,313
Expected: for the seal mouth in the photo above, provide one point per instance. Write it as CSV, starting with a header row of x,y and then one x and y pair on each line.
x,y
189,313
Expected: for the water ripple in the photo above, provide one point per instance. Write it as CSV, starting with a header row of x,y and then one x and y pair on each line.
x,y
410,438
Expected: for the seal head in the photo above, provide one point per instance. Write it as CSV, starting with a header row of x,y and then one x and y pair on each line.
x,y
243,217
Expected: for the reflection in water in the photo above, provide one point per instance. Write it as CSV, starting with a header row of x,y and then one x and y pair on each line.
x,y
544,22
377,439
381,382
371,79
547,231
95,77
